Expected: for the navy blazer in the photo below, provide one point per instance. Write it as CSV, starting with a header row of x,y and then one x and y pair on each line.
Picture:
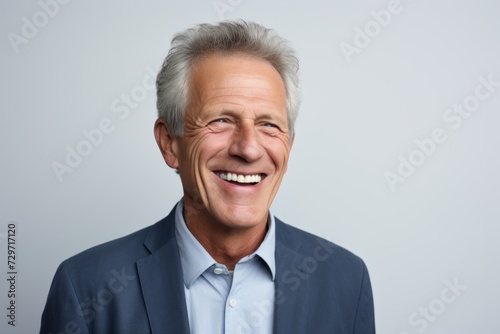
x,y
135,285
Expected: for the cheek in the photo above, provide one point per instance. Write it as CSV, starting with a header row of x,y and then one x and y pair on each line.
x,y
279,152
189,151
198,150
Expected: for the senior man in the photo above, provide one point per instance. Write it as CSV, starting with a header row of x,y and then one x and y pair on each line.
x,y
220,262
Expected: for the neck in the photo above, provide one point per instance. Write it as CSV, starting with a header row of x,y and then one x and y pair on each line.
x,y
225,244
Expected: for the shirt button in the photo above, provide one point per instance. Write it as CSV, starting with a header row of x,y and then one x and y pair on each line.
x,y
218,271
232,302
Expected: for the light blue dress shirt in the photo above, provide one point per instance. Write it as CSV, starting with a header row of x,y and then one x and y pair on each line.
x,y
222,302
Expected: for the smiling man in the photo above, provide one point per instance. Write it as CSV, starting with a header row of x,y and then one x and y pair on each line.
x,y
220,262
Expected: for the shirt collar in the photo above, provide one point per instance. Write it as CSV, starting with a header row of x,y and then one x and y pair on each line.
x,y
195,259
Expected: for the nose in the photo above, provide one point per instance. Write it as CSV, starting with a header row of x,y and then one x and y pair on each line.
x,y
245,143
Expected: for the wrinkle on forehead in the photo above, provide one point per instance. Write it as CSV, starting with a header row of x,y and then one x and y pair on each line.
x,y
246,85
236,71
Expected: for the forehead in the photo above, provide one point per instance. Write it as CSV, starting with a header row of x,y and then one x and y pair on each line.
x,y
236,74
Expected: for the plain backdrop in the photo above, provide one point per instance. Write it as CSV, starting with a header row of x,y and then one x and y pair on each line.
x,y
378,79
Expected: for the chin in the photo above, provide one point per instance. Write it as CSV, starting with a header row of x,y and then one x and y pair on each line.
x,y
243,219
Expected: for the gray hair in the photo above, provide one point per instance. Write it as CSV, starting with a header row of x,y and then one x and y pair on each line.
x,y
172,82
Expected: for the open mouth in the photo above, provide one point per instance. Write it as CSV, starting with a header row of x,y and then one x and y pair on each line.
x,y
240,178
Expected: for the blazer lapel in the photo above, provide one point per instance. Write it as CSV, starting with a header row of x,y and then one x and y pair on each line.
x,y
161,281
291,284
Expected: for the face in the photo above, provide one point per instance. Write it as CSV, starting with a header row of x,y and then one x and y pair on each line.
x,y
235,147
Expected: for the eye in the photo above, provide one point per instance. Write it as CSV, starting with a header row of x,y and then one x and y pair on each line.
x,y
219,124
271,125
218,121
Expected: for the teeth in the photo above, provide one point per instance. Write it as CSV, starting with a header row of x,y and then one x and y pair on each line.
x,y
240,178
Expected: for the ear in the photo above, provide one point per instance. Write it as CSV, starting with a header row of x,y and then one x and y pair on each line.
x,y
168,144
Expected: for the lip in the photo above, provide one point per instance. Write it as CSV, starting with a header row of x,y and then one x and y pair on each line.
x,y
218,171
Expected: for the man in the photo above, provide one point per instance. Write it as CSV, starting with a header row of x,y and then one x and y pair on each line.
x,y
219,262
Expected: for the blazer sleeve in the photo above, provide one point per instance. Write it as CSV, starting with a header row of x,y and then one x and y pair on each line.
x,y
365,315
63,311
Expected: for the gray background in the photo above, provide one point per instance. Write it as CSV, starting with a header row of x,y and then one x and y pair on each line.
x,y
358,116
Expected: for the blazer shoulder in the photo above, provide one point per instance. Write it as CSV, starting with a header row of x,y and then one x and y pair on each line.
x,y
120,252
308,244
